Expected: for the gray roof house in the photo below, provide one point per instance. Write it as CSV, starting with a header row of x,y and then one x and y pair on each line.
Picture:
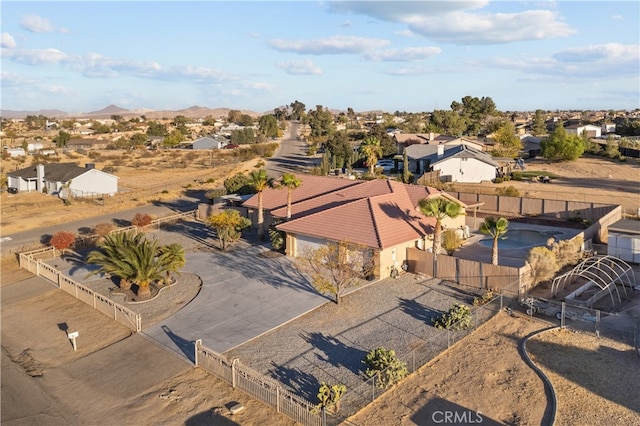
x,y
208,142
64,179
459,163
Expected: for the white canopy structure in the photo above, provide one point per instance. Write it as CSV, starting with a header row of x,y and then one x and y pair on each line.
x,y
603,274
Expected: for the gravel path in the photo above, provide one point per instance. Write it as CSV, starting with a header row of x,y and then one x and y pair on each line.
x,y
329,343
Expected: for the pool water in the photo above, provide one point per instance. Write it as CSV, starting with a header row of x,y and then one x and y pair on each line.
x,y
516,239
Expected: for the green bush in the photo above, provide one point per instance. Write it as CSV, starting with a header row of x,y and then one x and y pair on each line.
x,y
385,365
458,317
509,191
451,241
484,299
498,180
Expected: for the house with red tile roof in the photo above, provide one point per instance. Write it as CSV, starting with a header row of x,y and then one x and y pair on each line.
x,y
381,215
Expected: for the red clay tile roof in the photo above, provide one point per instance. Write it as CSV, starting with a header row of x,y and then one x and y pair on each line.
x,y
312,186
378,214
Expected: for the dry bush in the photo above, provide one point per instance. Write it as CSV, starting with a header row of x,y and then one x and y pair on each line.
x,y
103,229
567,252
141,219
62,240
543,264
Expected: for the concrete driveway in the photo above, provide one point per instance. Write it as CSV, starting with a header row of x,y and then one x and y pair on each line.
x,y
244,294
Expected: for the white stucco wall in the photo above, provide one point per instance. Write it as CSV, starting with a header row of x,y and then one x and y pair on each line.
x,y
466,170
94,182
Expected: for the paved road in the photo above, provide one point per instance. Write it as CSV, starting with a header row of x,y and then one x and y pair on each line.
x,y
24,239
291,156
243,295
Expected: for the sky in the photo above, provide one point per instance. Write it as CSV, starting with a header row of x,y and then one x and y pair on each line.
x,y
412,56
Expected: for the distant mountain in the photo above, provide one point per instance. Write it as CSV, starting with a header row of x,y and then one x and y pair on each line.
x,y
107,112
51,113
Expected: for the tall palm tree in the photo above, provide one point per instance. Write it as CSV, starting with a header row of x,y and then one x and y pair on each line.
x,y
260,181
496,228
291,182
372,150
171,258
440,208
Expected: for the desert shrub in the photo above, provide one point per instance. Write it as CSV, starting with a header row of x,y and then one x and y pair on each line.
x,y
329,397
191,156
543,265
62,240
498,180
94,155
277,239
509,191
238,184
385,366
516,176
101,230
141,219
451,241
568,252
215,193
484,299
458,317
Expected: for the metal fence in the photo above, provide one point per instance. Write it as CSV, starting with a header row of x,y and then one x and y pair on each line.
x,y
358,397
98,301
611,325
265,389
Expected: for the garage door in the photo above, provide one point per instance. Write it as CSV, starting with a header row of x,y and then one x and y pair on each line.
x,y
305,243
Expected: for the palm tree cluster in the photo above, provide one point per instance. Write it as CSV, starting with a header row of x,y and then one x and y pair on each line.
x,y
134,259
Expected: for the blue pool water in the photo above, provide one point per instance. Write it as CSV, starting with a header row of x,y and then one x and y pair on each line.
x,y
521,238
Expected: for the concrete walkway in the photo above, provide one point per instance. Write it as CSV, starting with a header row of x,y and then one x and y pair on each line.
x,y
244,294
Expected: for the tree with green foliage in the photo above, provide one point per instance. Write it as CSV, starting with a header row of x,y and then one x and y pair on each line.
x,y
372,151
321,123
260,181
156,129
180,123
439,208
246,120
238,184
407,176
112,254
138,139
339,147
243,136
62,139
336,267
496,228
268,126
509,145
234,116
291,182
385,366
561,146
228,225
173,139
35,122
325,163
98,127
539,126
447,122
297,110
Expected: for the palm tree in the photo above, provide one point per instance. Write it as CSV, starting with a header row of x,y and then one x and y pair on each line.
x,y
260,181
440,208
112,254
146,263
171,258
291,182
496,228
372,150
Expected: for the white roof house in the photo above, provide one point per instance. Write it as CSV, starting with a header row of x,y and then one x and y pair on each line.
x,y
66,178
592,131
460,163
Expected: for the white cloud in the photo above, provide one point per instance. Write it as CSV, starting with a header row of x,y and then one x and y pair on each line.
x,y
38,24
260,86
38,56
617,17
304,67
610,52
460,22
597,61
327,46
7,41
406,54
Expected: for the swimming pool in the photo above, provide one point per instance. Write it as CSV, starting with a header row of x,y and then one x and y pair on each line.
x,y
521,239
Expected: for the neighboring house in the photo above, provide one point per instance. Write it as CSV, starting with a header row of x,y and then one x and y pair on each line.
x,y
623,240
608,128
460,163
16,152
381,215
208,143
87,143
55,177
579,129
